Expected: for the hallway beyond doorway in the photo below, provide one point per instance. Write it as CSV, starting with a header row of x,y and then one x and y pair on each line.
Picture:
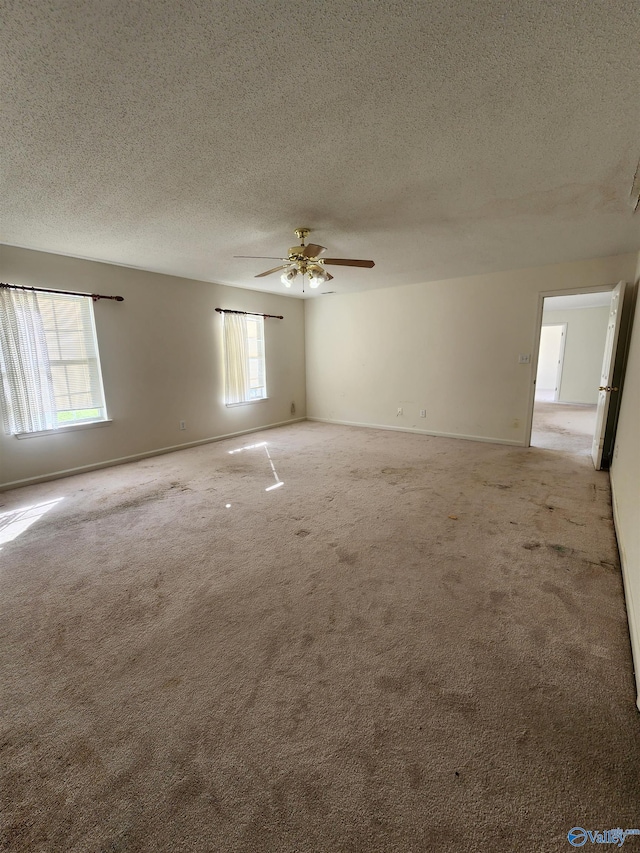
x,y
563,426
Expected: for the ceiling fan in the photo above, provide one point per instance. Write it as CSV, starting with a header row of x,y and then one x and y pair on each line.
x,y
305,260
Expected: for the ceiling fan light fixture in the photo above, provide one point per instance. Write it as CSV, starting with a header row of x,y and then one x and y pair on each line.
x,y
288,276
305,260
317,275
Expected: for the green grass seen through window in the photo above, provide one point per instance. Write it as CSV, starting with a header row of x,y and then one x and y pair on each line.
x,y
78,415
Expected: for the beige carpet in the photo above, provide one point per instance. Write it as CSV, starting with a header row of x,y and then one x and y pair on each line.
x,y
412,644
568,427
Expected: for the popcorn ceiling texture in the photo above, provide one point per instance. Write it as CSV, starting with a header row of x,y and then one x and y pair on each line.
x,y
439,139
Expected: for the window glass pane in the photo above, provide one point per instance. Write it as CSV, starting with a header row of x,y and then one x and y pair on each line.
x,y
244,358
72,344
73,355
60,388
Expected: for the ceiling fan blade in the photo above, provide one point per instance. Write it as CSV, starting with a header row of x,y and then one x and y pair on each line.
x,y
261,257
348,262
312,250
275,269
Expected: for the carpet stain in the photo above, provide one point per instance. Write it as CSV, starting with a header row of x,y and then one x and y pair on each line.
x,y
560,549
302,533
602,564
531,546
188,786
84,754
314,796
366,760
299,713
415,775
390,684
347,557
395,476
455,700
108,511
357,623
561,594
118,844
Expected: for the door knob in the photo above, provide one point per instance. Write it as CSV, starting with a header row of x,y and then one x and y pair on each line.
x,y
607,388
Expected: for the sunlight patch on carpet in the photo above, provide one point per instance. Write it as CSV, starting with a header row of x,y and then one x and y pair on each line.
x,y
16,521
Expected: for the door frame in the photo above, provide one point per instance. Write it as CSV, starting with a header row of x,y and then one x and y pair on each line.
x,y
613,339
542,295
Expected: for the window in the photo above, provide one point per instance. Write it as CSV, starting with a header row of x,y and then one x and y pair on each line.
x,y
245,379
49,364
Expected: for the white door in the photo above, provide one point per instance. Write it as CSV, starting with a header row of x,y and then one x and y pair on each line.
x,y
604,395
550,358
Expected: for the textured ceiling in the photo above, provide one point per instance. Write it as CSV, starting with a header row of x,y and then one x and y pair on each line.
x,y
439,139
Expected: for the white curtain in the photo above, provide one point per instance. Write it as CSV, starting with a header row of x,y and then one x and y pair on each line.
x,y
236,362
26,387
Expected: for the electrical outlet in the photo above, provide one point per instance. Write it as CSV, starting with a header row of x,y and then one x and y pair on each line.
x,y
183,424
400,411
423,413
524,358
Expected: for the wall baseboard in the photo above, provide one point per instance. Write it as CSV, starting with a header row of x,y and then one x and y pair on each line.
x,y
628,595
422,432
122,460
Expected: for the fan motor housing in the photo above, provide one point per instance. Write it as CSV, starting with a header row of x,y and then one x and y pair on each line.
x,y
294,254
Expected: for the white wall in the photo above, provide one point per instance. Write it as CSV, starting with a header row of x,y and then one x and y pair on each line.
x,y
584,348
450,347
625,484
161,354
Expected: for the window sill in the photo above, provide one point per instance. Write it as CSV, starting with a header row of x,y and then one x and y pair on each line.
x,y
63,429
246,403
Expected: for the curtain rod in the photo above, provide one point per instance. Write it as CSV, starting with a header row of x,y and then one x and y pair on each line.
x,y
94,296
252,313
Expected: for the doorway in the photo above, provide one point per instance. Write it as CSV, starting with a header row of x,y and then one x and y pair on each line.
x,y
572,344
